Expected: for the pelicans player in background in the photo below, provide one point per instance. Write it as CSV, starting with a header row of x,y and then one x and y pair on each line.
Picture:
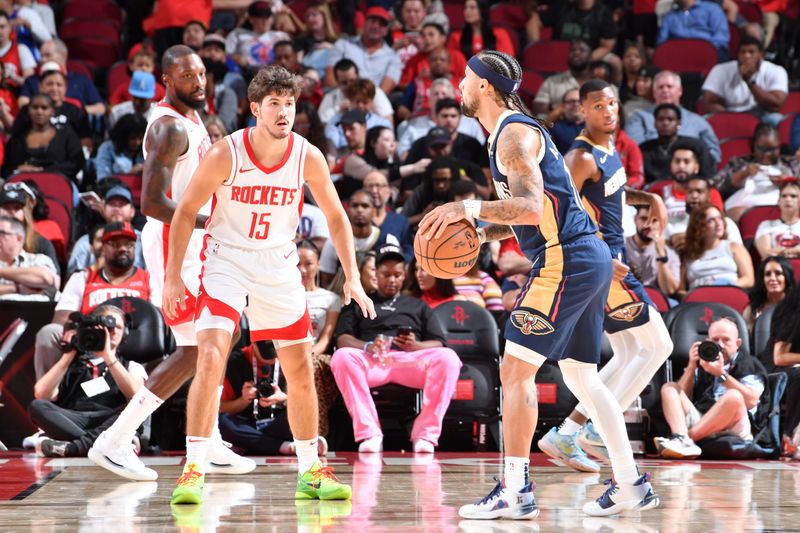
x,y
636,332
559,312
175,142
256,178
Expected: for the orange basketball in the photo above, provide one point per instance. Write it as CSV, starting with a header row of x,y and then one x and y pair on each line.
x,y
451,255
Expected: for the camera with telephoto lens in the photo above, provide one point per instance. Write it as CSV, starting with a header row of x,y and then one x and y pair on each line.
x,y
88,336
709,351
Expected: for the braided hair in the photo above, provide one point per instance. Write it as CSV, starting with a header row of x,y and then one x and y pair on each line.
x,y
509,67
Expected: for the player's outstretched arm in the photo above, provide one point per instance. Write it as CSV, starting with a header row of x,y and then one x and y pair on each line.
x,y
318,177
658,211
517,149
214,169
166,142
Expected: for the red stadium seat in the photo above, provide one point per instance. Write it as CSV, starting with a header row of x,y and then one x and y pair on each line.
x,y
60,215
546,56
51,231
733,42
792,103
118,75
796,267
52,185
785,128
754,216
546,33
77,28
76,65
729,295
750,11
685,55
734,148
134,183
98,52
513,35
729,125
508,14
455,13
104,10
531,82
659,299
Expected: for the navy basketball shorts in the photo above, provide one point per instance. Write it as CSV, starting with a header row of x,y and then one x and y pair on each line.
x,y
628,304
560,310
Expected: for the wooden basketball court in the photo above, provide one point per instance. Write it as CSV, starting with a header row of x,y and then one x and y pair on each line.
x,y
391,492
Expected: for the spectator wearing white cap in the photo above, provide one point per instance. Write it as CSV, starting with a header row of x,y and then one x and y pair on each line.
x,y
142,89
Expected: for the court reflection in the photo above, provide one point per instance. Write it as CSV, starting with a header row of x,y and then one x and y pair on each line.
x,y
219,499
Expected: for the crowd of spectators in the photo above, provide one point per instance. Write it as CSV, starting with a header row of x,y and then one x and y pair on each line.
x,y
380,97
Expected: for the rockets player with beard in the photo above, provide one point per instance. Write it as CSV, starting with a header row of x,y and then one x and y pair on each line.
x,y
175,142
256,177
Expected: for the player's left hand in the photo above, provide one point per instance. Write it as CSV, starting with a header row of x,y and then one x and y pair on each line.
x,y
620,269
432,225
352,289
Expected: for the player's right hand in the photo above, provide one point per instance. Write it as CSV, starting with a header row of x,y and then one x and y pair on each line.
x,y
352,289
173,300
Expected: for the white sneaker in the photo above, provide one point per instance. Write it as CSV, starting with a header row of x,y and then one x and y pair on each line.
x,y
222,460
371,445
29,442
679,447
503,503
619,498
120,459
423,446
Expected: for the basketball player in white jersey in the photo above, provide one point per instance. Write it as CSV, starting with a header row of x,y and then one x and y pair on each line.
x,y
175,142
256,177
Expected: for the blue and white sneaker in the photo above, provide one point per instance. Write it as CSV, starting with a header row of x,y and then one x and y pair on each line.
x,y
589,440
564,448
503,503
617,499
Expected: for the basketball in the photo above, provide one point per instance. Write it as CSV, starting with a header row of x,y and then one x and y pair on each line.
x,y
452,255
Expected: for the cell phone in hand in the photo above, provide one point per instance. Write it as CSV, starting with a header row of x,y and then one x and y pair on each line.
x,y
90,195
404,330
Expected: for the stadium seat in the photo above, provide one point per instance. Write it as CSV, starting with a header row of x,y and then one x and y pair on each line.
x,y
117,76
134,183
685,55
734,148
785,129
471,331
689,323
761,333
659,299
750,11
148,338
455,13
531,81
52,185
733,125
509,14
60,215
546,57
96,51
796,267
748,223
79,27
733,42
76,65
104,10
792,103
51,231
734,297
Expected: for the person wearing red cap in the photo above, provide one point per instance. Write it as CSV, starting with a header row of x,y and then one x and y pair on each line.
x,y
141,57
374,58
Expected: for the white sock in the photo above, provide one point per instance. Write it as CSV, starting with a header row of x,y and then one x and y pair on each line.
x,y
515,473
196,451
142,405
606,414
215,434
569,427
307,453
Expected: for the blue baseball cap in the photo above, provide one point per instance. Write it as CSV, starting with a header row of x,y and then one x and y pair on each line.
x,y
119,191
143,85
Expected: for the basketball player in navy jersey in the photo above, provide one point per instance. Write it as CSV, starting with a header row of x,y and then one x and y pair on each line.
x,y
559,312
637,334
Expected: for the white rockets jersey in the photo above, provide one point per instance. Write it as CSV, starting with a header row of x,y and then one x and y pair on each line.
x,y
258,208
199,144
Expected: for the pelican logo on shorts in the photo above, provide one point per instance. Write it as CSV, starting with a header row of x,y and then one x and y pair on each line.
x,y
530,324
627,313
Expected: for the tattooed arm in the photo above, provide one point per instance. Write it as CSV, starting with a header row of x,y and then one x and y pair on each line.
x,y
165,143
517,149
494,232
658,211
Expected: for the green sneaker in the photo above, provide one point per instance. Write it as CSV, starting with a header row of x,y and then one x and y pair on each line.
x,y
320,483
190,486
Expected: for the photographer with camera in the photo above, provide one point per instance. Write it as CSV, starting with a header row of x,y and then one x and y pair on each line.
x,y
721,392
88,387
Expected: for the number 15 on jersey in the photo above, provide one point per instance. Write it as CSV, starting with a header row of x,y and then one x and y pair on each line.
x,y
259,226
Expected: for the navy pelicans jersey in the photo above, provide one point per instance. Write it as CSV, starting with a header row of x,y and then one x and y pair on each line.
x,y
604,199
563,218
627,304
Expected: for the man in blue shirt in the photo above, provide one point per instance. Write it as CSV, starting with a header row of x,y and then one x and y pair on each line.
x,y
693,19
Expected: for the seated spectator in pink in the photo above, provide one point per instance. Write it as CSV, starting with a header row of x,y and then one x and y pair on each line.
x,y
781,236
747,84
405,344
